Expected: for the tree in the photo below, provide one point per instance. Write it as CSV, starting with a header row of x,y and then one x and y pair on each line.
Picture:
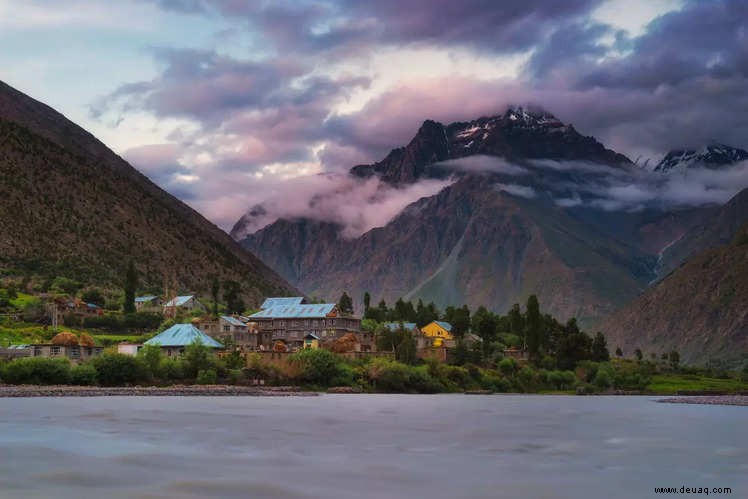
x,y
516,324
638,354
367,301
131,285
345,304
93,295
674,358
64,285
403,311
232,297
215,289
573,346
599,351
619,352
151,356
533,330
459,317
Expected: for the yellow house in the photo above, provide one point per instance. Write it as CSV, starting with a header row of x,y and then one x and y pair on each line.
x,y
439,331
311,341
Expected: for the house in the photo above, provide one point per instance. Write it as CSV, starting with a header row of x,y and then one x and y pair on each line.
x,y
15,352
234,329
148,303
75,309
76,353
174,340
422,341
516,353
439,332
185,303
311,341
290,324
288,301
240,333
129,348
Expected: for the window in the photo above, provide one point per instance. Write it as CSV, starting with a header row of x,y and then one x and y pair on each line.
x,y
226,329
37,351
55,350
75,352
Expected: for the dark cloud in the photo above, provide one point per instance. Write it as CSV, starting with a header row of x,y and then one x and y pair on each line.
x,y
681,83
485,25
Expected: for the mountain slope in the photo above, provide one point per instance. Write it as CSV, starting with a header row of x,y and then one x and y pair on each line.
x,y
471,243
700,310
71,207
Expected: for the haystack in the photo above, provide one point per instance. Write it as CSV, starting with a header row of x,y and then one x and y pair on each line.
x,y
66,338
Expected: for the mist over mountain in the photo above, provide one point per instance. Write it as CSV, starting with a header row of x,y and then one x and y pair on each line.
x,y
527,205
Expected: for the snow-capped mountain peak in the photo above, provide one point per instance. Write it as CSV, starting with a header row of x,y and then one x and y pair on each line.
x,y
710,156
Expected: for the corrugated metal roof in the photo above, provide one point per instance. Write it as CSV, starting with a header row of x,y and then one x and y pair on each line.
x,y
295,311
394,326
181,335
282,300
146,299
232,320
178,301
445,325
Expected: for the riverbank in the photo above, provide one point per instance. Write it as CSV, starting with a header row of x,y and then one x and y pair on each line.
x,y
741,400
11,391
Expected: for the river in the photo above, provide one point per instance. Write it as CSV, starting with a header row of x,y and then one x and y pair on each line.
x,y
367,446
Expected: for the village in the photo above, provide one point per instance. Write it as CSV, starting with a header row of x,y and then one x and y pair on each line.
x,y
281,327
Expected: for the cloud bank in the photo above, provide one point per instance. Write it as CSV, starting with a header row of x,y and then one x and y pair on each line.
x,y
354,204
314,92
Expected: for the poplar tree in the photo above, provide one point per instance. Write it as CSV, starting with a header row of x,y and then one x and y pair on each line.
x,y
131,284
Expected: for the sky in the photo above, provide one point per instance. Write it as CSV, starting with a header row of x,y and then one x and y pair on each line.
x,y
225,103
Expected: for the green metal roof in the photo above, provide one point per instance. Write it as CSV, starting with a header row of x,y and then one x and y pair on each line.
x,y
281,300
311,311
394,326
445,325
181,335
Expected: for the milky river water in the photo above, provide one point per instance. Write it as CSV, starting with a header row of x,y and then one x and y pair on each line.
x,y
368,446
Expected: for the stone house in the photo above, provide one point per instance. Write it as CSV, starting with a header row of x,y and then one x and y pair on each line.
x,y
290,324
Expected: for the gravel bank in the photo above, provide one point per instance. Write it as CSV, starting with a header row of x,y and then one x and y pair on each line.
x,y
709,400
146,391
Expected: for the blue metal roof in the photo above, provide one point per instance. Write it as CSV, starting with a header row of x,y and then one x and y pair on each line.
x,y
232,320
282,300
316,310
178,301
394,326
145,299
181,335
445,325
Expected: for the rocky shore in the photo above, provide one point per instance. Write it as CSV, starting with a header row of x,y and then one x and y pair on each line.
x,y
741,400
149,391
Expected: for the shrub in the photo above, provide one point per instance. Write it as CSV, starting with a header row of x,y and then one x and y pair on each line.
x,y
603,379
318,366
83,374
234,377
206,377
389,376
197,357
508,366
37,371
115,369
170,369
422,382
496,383
151,357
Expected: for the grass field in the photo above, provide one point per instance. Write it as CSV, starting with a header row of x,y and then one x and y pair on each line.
x,y
671,383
